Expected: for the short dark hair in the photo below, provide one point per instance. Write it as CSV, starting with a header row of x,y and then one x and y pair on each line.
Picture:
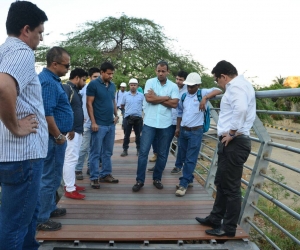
x,y
182,74
22,13
105,66
225,68
162,63
78,72
55,55
93,70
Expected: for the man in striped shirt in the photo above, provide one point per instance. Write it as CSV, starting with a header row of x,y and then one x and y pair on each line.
x,y
23,128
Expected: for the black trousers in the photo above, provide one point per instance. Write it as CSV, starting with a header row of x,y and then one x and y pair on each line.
x,y
137,127
227,204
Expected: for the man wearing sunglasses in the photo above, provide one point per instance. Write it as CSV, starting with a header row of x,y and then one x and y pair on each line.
x,y
59,116
237,114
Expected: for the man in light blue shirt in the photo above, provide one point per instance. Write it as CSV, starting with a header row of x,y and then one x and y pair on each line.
x,y
161,96
190,121
133,104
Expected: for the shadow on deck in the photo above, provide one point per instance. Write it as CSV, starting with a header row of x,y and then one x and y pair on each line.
x,y
115,213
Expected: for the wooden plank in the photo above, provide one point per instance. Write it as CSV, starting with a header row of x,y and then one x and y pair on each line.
x,y
114,212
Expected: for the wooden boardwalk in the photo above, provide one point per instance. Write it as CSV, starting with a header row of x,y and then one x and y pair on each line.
x,y
114,212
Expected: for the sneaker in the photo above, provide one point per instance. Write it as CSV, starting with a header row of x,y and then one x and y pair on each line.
x,y
151,169
108,178
88,171
95,184
79,175
180,191
157,184
74,195
124,153
78,189
190,185
153,158
58,212
49,225
176,170
137,186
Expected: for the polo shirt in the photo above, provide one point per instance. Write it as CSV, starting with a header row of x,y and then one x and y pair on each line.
x,y
103,104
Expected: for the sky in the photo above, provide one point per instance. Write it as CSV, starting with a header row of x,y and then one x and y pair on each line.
x,y
260,38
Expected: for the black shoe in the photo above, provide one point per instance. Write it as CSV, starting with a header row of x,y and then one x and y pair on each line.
x,y
207,222
219,232
124,153
95,184
88,171
137,186
157,184
151,169
176,170
49,225
79,175
58,212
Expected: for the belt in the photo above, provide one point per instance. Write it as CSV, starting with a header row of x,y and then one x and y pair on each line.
x,y
192,128
236,135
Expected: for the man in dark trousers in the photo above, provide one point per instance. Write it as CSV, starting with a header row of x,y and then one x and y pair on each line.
x,y
237,114
133,104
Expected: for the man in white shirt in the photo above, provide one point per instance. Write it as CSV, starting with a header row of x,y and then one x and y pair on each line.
x,y
237,114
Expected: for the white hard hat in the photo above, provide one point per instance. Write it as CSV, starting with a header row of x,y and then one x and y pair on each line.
x,y
133,80
123,84
192,79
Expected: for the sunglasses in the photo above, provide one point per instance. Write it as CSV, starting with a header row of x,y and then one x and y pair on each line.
x,y
66,65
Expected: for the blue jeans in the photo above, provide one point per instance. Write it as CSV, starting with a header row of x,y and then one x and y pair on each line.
x,y
190,143
154,145
148,135
179,159
171,136
20,184
103,139
51,178
84,149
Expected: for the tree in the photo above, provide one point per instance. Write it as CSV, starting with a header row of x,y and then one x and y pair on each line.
x,y
133,45
279,80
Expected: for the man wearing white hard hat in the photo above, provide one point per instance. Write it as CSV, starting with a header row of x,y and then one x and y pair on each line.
x,y
190,120
132,103
119,97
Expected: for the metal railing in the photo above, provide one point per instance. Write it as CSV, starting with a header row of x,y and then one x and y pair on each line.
x,y
258,172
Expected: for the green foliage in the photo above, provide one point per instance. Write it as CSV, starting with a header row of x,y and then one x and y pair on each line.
x,y
279,80
133,45
277,214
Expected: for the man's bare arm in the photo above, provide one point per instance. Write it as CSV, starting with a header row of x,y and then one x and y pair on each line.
x,y
8,115
90,109
154,99
171,103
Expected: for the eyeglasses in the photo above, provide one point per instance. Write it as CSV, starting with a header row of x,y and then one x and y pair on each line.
x,y
66,65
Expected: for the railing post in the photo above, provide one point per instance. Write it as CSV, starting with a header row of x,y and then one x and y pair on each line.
x,y
213,166
256,180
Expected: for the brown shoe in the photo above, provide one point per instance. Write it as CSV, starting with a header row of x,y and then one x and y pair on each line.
x,y
108,178
154,158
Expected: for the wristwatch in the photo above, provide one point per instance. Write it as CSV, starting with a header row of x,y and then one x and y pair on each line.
x,y
59,137
231,135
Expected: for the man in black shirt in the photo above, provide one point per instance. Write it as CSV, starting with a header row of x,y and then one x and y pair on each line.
x,y
77,81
